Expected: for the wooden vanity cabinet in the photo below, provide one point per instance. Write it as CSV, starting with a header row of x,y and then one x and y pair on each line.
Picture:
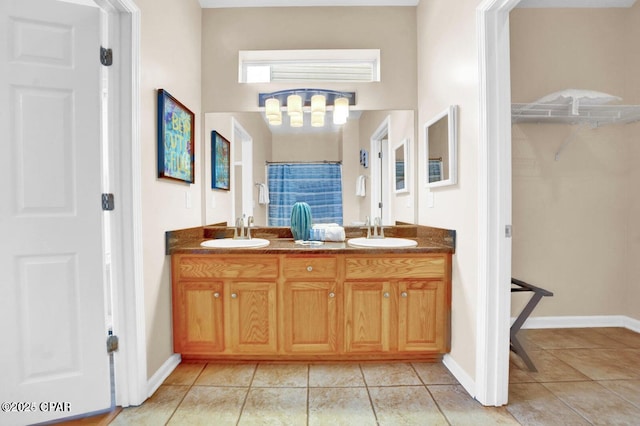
x,y
290,306
397,303
311,304
224,304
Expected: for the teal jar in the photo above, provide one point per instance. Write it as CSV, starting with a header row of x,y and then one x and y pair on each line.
x,y
300,221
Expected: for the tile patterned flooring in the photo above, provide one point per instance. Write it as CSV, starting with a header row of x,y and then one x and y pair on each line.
x,y
586,376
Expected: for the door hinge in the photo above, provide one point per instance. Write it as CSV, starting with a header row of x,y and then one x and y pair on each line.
x,y
379,205
112,342
108,203
507,231
106,56
380,154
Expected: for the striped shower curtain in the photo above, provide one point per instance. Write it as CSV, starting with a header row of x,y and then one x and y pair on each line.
x,y
317,184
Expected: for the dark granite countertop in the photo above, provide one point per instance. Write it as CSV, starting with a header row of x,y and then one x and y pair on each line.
x,y
430,240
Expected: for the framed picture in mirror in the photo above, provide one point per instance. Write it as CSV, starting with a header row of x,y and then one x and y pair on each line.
x,y
401,164
220,161
441,140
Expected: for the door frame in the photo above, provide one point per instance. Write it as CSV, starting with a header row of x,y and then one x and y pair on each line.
x,y
130,361
376,145
494,202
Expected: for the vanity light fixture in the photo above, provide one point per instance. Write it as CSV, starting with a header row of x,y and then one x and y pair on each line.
x,y
297,102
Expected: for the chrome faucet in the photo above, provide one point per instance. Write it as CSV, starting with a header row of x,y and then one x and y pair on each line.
x,y
240,232
378,230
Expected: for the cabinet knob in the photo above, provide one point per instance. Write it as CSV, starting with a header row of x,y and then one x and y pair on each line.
x,y
309,268
332,295
216,295
234,296
403,294
386,294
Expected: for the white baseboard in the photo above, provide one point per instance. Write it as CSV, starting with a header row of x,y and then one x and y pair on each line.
x,y
162,373
463,378
583,322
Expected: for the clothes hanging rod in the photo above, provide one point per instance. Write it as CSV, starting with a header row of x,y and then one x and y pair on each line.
x,y
303,162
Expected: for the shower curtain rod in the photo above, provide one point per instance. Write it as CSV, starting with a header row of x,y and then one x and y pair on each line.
x,y
303,162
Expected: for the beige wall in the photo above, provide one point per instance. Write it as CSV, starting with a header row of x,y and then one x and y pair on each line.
x,y
447,75
632,308
226,31
163,201
307,147
573,218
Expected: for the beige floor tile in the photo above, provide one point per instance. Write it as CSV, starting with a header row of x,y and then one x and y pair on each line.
x,y
235,375
275,406
626,389
340,407
460,409
335,375
185,373
627,337
533,404
203,404
434,373
156,410
551,368
281,375
390,374
518,371
596,403
602,364
405,405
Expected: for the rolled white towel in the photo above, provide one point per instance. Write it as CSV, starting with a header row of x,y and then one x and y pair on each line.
x,y
329,232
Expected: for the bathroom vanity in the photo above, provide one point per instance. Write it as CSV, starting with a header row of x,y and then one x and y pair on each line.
x,y
327,302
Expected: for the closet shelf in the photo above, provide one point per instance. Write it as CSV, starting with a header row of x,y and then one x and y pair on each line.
x,y
593,115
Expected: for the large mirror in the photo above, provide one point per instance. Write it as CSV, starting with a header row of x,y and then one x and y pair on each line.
x,y
255,144
440,137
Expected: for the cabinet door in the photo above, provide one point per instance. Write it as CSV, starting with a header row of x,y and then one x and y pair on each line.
x,y
252,317
198,317
367,316
421,322
310,316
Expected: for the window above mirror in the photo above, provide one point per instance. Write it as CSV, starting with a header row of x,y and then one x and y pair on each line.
x,y
312,65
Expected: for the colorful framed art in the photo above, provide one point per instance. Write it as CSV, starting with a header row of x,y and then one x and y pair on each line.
x,y
176,124
220,161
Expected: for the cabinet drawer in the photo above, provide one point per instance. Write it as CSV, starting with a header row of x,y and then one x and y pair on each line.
x,y
227,267
310,267
428,266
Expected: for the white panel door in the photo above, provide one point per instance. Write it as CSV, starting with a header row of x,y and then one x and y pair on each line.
x,y
52,304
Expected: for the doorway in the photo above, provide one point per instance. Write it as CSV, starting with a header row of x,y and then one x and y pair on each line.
x,y
380,177
242,144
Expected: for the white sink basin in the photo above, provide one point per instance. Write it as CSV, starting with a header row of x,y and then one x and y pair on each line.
x,y
231,243
389,242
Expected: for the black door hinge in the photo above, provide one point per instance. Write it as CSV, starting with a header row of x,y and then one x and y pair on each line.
x,y
108,202
106,56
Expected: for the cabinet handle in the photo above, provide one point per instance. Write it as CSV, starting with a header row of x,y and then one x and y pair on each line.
x,y
386,294
234,296
332,295
216,295
309,268
403,294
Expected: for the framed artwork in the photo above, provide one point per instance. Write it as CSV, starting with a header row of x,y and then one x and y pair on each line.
x,y
220,161
175,139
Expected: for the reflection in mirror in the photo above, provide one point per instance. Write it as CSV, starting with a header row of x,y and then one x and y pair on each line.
x,y
441,141
401,163
304,145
